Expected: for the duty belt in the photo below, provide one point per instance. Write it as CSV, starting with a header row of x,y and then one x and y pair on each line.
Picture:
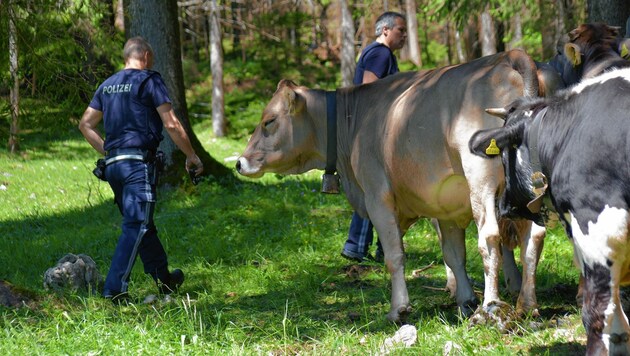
x,y
127,154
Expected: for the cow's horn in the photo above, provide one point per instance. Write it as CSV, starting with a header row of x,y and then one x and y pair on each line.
x,y
498,112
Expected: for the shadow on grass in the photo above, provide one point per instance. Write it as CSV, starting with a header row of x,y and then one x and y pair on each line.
x,y
563,348
288,227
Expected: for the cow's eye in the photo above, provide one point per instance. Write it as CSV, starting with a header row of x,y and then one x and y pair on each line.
x,y
269,122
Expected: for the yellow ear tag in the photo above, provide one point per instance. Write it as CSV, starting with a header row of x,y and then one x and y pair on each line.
x,y
493,149
624,51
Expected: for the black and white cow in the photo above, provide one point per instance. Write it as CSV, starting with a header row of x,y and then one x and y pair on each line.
x,y
571,153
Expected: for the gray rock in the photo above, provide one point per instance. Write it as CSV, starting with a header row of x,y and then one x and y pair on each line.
x,y
73,272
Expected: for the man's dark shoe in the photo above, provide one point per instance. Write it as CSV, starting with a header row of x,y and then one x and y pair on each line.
x,y
118,298
351,256
176,278
379,256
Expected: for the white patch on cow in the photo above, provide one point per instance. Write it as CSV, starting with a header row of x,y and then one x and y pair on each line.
x,y
598,243
606,240
615,73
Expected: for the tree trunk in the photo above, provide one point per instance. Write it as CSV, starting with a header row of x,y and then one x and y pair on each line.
x,y
216,66
412,31
119,17
461,56
517,32
547,27
14,142
472,38
487,35
348,64
611,12
162,31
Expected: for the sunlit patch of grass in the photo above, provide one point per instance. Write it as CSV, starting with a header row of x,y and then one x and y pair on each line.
x,y
262,264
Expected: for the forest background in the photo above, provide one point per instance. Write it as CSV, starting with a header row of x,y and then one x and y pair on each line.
x,y
264,274
221,58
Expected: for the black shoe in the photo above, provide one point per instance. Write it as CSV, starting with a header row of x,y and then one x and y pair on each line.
x,y
119,298
176,278
351,256
379,256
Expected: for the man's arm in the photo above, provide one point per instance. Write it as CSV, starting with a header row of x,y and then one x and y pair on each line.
x,y
177,133
89,121
369,77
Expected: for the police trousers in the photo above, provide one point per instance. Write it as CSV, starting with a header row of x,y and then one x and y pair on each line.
x,y
135,194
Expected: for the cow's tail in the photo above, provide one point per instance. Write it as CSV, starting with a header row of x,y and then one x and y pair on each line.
x,y
508,229
526,67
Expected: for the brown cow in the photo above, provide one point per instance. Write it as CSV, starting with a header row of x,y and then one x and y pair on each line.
x,y
402,154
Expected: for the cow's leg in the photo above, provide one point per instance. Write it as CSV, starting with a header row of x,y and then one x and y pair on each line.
x,y
390,235
511,274
532,239
484,180
490,250
454,250
451,282
603,252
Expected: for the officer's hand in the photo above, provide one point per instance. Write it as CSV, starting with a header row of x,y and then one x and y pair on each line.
x,y
194,162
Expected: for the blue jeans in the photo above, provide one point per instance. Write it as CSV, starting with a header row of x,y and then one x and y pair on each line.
x,y
134,193
360,237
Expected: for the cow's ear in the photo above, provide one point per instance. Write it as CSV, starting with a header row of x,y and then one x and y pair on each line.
x,y
285,83
490,143
294,101
624,48
572,52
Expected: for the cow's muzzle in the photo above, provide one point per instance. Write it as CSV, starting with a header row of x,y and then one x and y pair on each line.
x,y
244,168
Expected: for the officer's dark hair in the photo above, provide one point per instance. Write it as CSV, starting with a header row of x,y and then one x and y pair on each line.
x,y
387,19
136,47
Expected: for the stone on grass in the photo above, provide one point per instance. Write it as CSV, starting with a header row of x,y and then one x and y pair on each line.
x,y
406,336
73,272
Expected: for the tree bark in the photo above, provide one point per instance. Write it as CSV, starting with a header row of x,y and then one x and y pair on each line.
x,y
611,12
547,29
348,64
119,16
216,66
517,32
487,35
162,32
412,33
14,142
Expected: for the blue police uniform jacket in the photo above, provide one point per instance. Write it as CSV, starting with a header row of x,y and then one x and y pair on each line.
x,y
378,59
128,100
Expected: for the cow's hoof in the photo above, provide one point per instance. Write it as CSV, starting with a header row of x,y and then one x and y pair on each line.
x,y
528,312
400,314
497,313
468,308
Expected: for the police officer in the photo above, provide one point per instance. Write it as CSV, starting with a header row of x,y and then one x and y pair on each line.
x,y
134,106
376,61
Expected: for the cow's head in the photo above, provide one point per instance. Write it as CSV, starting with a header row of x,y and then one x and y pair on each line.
x,y
284,140
588,42
524,188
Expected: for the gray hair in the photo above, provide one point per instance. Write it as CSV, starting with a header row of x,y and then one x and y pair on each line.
x,y
136,47
387,19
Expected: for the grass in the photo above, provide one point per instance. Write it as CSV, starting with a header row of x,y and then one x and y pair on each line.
x,y
264,275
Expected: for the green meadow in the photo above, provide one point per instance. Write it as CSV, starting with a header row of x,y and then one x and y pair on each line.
x,y
263,270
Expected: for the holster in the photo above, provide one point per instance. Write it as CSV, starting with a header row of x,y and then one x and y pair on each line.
x,y
99,171
158,166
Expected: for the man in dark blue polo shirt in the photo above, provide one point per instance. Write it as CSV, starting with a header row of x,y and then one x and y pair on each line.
x,y
376,61
134,106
